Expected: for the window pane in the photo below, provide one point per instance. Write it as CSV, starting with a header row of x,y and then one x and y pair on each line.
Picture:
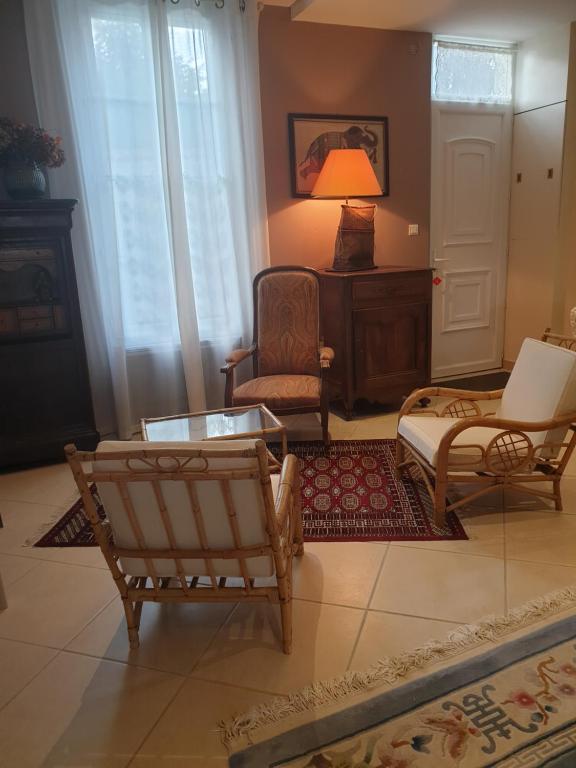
x,y
122,43
475,73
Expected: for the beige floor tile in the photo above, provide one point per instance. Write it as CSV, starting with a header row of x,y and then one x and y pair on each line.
x,y
83,712
388,634
53,485
51,603
493,501
12,568
527,581
19,663
247,651
187,734
172,637
440,585
485,530
516,501
343,573
541,536
376,427
24,523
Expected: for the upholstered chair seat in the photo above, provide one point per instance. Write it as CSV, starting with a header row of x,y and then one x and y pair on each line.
x,y
279,392
524,442
288,358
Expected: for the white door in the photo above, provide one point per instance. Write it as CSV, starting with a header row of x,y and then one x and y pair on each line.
x,y
471,146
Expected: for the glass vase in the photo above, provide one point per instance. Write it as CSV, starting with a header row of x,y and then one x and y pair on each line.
x,y
24,181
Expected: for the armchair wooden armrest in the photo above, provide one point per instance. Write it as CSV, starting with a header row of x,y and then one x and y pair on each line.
x,y
457,394
288,502
235,357
326,356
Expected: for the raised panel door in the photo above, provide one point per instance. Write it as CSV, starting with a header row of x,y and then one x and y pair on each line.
x,y
390,345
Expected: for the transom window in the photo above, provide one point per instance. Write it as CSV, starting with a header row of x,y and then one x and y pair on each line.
x,y
472,72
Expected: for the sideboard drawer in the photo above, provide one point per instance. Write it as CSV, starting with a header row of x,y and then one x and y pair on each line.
x,y
401,289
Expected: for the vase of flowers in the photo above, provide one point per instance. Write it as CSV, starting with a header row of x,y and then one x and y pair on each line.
x,y
24,152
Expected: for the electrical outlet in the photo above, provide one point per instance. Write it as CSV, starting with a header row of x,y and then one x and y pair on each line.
x,y
413,229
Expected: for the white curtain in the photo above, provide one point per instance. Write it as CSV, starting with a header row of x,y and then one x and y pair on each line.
x,y
159,111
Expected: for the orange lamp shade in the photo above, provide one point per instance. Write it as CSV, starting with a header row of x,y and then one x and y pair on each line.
x,y
347,173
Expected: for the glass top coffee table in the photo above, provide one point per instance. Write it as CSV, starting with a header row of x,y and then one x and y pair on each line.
x,y
226,424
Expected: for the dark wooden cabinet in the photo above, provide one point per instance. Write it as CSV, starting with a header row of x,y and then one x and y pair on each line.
x,y
45,397
379,324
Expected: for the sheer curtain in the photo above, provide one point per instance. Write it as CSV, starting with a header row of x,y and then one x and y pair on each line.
x,y
159,111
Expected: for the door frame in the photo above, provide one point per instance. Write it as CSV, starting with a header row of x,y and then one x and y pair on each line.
x,y
502,210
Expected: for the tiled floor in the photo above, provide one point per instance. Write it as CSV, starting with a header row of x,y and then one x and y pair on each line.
x,y
73,694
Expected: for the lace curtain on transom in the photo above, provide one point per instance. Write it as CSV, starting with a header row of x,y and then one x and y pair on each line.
x,y
473,73
160,110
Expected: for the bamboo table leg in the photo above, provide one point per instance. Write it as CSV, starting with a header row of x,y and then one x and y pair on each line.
x,y
283,434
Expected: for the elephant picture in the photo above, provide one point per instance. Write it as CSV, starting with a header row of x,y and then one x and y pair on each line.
x,y
313,136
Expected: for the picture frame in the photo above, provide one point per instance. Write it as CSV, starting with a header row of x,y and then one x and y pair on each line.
x,y
312,136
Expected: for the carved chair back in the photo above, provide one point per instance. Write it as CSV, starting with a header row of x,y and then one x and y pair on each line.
x,y
286,322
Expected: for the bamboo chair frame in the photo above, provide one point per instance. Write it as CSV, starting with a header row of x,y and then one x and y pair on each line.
x,y
510,460
558,339
283,524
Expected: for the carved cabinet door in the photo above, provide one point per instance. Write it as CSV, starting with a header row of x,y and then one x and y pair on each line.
x,y
390,349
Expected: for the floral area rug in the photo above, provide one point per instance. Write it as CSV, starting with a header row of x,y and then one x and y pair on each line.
x,y
512,706
349,493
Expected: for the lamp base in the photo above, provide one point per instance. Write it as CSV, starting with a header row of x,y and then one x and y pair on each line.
x,y
354,249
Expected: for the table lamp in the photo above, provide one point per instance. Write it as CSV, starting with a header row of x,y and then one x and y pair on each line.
x,y
349,173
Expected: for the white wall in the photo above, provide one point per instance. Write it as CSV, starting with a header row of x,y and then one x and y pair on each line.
x,y
534,257
542,69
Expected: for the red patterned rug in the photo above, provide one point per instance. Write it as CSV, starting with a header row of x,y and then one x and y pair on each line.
x,y
349,493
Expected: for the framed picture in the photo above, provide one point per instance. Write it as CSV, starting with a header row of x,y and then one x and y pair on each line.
x,y
313,136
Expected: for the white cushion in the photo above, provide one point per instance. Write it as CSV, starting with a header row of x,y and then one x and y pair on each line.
x,y
246,494
426,432
542,385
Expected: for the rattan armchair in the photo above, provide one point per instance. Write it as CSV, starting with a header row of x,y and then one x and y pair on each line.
x,y
559,339
184,518
288,357
525,439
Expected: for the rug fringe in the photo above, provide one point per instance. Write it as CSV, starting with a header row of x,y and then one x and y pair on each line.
x,y
391,669
45,528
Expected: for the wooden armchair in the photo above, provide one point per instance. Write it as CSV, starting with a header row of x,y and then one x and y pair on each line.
x,y
529,438
182,518
287,353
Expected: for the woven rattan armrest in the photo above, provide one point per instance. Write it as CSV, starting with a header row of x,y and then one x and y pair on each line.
x,y
458,394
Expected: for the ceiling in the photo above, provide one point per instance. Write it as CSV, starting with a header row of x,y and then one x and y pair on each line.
x,y
512,20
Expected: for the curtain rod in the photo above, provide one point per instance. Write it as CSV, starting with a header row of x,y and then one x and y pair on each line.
x,y
217,3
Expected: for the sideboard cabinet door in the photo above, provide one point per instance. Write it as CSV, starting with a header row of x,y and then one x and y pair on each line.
x,y
389,349
379,324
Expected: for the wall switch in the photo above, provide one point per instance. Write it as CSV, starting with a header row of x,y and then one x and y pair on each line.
x,y
413,229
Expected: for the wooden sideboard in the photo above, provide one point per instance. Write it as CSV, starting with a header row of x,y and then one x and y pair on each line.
x,y
45,399
378,322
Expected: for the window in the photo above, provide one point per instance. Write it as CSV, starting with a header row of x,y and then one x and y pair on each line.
x,y
472,72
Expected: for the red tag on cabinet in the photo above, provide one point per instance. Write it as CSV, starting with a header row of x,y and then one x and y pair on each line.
x,y
437,280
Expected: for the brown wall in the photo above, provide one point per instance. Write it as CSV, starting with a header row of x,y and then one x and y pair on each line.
x,y
16,91
321,68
